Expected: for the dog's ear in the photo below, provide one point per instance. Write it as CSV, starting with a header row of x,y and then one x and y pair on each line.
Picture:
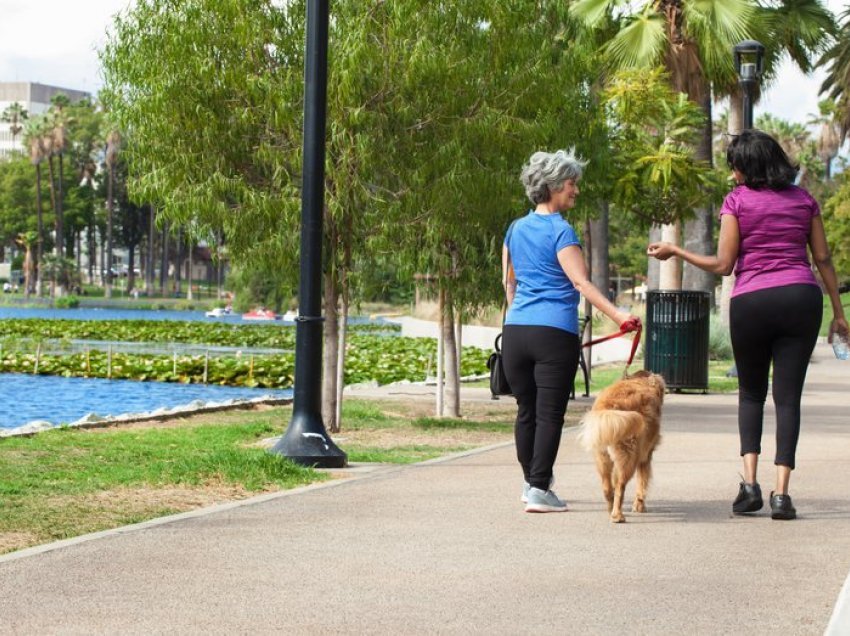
x,y
641,373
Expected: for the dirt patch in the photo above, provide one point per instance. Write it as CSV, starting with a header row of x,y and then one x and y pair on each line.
x,y
10,541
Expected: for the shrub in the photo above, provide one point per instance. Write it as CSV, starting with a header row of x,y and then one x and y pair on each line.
x,y
66,302
719,342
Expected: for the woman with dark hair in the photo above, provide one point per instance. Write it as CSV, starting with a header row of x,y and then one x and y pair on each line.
x,y
544,273
766,226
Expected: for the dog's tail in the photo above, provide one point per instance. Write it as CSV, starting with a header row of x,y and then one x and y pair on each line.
x,y
608,427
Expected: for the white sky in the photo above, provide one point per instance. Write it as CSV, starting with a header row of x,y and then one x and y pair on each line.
x,y
54,42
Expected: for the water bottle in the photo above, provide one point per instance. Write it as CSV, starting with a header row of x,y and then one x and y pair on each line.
x,y
841,347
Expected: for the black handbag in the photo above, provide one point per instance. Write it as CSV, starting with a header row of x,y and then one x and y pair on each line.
x,y
498,382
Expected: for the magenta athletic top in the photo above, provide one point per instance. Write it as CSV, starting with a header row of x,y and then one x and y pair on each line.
x,y
774,226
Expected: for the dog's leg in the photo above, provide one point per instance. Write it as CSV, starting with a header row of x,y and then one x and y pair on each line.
x,y
644,474
625,462
605,467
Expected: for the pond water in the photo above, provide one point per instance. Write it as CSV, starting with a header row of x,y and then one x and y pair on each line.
x,y
97,313
60,400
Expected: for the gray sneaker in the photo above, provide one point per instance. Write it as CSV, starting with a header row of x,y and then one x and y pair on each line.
x,y
544,501
526,486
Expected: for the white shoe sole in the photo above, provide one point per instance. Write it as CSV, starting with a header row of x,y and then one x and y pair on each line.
x,y
544,508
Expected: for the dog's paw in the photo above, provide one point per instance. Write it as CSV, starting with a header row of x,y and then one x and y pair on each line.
x,y
618,518
638,506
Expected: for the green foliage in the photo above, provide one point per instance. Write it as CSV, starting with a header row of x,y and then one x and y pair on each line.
x,y
719,340
369,357
657,129
66,302
48,478
836,220
482,86
210,91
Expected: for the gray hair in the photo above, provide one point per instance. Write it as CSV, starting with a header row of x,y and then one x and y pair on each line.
x,y
546,172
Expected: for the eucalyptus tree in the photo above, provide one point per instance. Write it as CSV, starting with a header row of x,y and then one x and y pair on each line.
x,y
212,91
113,145
692,39
485,84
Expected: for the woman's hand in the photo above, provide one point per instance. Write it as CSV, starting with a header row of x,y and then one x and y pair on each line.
x,y
661,251
838,326
630,323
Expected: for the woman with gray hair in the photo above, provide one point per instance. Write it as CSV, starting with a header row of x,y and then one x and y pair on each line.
x,y
544,274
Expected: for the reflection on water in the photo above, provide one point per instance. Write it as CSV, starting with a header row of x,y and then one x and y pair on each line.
x,y
62,400
95,313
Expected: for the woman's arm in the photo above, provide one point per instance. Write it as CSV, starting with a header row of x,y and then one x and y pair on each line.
x,y
508,276
727,250
572,262
823,261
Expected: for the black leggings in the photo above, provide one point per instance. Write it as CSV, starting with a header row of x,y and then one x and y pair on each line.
x,y
540,365
779,324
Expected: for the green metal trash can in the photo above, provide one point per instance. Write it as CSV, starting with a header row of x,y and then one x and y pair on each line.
x,y
677,331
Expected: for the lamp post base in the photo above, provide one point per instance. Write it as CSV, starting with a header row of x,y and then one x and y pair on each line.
x,y
306,442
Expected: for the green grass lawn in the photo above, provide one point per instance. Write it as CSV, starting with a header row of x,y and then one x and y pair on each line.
x,y
69,481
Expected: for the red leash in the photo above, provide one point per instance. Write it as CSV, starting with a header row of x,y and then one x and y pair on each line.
x,y
630,325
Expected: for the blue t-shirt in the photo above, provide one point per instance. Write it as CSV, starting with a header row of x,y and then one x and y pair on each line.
x,y
545,296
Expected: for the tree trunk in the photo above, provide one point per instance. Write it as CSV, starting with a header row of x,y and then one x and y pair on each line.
x,y
177,286
330,357
440,356
653,266
736,122
340,364
91,250
699,231
131,267
150,270
189,295
670,275
599,264
109,212
163,267
60,216
452,381
39,252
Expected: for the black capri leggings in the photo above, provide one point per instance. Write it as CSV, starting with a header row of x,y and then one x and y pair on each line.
x,y
540,365
779,324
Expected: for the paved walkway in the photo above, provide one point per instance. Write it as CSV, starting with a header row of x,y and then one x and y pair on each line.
x,y
445,547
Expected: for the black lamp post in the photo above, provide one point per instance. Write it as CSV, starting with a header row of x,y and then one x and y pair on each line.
x,y
749,64
306,441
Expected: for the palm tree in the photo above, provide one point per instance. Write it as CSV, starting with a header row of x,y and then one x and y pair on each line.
x,y
837,82
692,39
15,115
27,240
829,135
799,29
59,133
34,135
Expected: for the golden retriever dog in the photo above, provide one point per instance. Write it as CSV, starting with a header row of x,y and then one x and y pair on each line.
x,y
622,430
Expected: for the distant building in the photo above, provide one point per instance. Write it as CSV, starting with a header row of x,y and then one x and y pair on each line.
x,y
35,98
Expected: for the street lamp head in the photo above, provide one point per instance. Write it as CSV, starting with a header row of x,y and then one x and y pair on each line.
x,y
749,60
